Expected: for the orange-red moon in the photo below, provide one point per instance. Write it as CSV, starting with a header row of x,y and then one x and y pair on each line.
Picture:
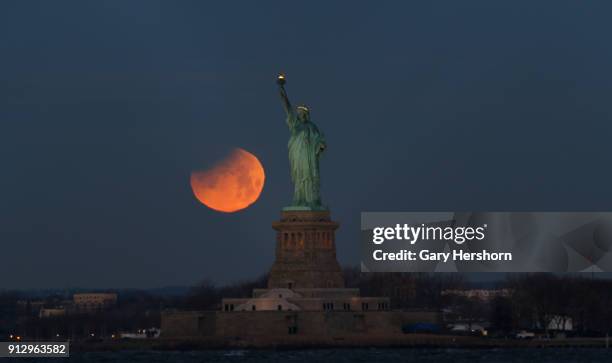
x,y
231,185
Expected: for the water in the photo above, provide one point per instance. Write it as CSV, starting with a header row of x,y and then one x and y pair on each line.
x,y
531,355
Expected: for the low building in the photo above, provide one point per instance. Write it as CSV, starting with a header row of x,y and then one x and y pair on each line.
x,y
313,299
89,302
558,323
51,312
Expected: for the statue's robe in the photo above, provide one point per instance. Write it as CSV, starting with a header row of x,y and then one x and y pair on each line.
x,y
305,146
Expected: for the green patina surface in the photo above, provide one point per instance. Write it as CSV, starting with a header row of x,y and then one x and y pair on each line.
x,y
306,145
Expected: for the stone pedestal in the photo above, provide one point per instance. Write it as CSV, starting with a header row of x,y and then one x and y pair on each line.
x,y
305,251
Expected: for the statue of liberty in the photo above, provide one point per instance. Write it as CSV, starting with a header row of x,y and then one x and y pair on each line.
x,y
306,144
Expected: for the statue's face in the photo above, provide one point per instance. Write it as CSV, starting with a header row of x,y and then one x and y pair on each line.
x,y
303,115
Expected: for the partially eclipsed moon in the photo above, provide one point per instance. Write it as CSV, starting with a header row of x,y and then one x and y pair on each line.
x,y
233,184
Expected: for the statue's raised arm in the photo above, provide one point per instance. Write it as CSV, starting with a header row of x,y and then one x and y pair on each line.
x,y
286,104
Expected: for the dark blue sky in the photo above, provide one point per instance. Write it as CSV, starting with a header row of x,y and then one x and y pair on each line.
x,y
107,106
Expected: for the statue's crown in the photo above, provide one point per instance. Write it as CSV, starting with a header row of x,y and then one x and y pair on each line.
x,y
302,107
